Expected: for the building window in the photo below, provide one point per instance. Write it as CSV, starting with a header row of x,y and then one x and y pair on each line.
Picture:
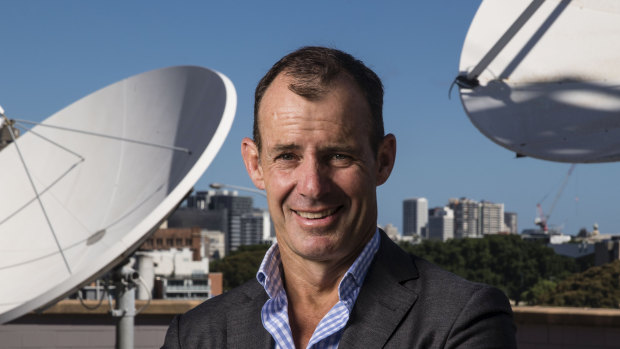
x,y
175,282
160,242
179,242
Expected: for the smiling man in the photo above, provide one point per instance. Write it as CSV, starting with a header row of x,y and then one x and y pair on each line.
x,y
334,279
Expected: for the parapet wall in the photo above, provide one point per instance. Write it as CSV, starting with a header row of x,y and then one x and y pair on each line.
x,y
69,325
570,328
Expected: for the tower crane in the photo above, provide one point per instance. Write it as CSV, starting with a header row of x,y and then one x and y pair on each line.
x,y
542,219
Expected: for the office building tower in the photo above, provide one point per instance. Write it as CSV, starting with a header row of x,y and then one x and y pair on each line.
x,y
415,217
200,200
236,206
466,218
491,218
187,217
510,221
255,228
441,224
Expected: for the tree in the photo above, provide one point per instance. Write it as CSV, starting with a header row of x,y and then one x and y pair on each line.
x,y
597,287
524,270
240,266
538,293
505,261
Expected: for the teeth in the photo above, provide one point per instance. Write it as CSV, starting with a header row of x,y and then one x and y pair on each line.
x,y
316,215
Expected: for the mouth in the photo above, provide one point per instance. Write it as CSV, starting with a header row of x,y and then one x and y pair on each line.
x,y
317,215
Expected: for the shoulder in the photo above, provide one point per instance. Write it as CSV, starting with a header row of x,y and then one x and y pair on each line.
x,y
443,289
433,276
446,308
468,314
425,278
208,322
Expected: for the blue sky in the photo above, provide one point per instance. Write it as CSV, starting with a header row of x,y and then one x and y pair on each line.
x,y
55,52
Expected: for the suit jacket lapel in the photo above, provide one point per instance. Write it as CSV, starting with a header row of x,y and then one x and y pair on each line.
x,y
244,325
383,300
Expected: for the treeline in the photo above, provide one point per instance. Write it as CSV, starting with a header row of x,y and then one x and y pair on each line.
x,y
597,287
239,266
508,262
528,272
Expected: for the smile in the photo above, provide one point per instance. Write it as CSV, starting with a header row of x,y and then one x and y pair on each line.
x,y
317,215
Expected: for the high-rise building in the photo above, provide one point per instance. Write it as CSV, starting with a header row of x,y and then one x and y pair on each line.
x,y
415,217
510,221
236,206
491,218
255,227
187,217
466,218
225,211
440,224
200,200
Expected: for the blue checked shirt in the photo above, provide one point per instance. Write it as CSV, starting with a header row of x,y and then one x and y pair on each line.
x,y
329,331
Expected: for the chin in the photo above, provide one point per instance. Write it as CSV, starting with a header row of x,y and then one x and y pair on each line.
x,y
320,248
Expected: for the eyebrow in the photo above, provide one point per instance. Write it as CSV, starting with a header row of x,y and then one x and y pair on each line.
x,y
285,147
339,149
329,149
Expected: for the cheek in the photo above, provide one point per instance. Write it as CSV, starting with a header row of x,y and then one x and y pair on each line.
x,y
354,182
278,184
362,196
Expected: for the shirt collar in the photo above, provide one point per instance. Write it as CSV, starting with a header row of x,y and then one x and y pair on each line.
x,y
269,274
359,268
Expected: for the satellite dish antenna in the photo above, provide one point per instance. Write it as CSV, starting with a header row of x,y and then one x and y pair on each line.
x,y
541,78
80,191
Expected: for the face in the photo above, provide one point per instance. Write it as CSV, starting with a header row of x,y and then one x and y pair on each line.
x,y
318,169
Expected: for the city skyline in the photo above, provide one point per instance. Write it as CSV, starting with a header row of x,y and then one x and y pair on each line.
x,y
199,199
56,53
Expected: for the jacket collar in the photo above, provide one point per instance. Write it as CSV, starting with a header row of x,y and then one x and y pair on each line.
x,y
244,326
386,297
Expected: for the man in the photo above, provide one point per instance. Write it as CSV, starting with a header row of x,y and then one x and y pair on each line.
x,y
333,279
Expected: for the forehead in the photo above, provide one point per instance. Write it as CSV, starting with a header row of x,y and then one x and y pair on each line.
x,y
341,105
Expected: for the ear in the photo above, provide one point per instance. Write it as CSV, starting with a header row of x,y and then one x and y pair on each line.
x,y
249,152
386,156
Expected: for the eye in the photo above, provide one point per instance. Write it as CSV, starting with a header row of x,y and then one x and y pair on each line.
x,y
339,159
286,157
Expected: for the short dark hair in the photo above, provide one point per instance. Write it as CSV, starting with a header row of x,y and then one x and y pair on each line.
x,y
313,68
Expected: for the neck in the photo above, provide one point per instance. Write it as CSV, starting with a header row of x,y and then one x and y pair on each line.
x,y
312,290
318,276
312,287
312,278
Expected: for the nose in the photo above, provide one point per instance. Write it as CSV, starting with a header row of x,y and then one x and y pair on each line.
x,y
313,181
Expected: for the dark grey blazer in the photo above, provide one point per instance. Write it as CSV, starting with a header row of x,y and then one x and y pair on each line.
x,y
405,302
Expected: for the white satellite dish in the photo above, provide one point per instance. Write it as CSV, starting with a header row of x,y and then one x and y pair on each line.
x,y
541,77
75,203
